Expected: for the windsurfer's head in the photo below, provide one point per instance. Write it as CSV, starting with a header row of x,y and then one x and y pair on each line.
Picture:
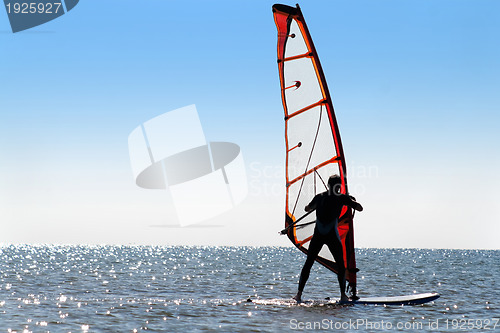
x,y
334,184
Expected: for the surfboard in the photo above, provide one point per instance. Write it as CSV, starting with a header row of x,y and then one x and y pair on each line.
x,y
415,299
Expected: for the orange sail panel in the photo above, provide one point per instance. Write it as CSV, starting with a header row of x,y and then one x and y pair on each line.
x,y
313,146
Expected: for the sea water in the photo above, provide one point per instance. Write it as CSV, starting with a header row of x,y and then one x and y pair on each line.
x,y
186,289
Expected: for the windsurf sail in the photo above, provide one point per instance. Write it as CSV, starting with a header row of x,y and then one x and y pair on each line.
x,y
313,146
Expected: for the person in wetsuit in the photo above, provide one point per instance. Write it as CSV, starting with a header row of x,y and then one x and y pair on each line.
x,y
328,207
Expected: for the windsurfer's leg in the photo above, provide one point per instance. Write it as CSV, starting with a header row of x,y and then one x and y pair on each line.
x,y
313,251
337,251
352,277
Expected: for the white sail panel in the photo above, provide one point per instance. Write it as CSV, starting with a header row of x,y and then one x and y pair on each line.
x,y
310,141
308,92
296,45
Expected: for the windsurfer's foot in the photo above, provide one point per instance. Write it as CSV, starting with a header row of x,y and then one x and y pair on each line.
x,y
298,297
344,298
354,298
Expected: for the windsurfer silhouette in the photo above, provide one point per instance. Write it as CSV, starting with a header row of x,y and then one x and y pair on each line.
x,y
328,207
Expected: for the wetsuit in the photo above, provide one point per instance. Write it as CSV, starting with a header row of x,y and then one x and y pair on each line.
x,y
328,209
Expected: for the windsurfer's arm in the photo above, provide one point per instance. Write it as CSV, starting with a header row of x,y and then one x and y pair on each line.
x,y
354,205
358,207
311,205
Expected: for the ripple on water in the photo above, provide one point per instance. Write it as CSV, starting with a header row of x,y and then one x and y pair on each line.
x,y
126,288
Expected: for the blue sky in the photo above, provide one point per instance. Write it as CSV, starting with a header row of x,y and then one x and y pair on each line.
x,y
415,87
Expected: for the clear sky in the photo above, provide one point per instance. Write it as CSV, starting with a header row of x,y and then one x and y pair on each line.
x,y
415,86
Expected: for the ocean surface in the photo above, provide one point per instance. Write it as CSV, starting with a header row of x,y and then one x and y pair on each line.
x,y
189,289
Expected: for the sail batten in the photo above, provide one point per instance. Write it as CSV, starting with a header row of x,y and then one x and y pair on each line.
x,y
308,172
305,109
305,55
313,145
